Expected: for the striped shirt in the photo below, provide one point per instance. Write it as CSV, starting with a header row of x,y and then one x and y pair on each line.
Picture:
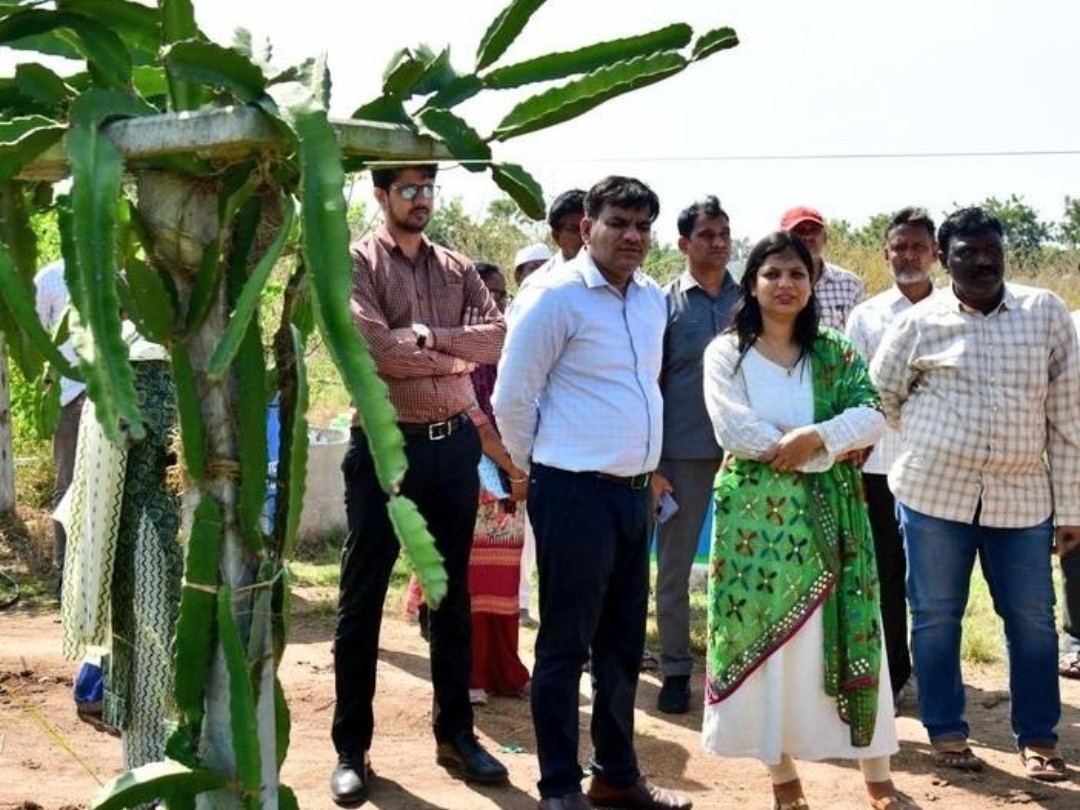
x,y
837,292
983,403
440,289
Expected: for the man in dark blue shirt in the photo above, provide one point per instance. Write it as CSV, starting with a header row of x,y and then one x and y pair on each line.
x,y
699,305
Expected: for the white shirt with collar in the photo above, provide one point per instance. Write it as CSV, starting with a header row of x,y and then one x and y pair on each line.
x,y
51,301
866,326
578,382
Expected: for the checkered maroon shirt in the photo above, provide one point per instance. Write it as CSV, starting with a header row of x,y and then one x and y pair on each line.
x,y
441,290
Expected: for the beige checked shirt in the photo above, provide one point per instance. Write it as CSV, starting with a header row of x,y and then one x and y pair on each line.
x,y
988,408
441,290
837,292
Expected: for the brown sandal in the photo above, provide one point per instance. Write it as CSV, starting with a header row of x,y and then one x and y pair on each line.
x,y
794,804
1042,767
1069,665
897,801
962,759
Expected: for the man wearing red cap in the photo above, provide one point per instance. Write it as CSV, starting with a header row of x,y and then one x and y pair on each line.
x,y
837,290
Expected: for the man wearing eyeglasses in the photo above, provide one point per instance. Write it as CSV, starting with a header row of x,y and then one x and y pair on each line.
x,y
429,321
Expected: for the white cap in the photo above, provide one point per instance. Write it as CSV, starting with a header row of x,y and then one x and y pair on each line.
x,y
532,253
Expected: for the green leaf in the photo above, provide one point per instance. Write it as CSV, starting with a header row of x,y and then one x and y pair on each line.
x,y
249,374
105,53
97,106
156,780
237,188
325,242
503,30
243,721
388,109
592,57
207,63
178,25
571,100
521,187
23,139
150,81
90,258
154,314
293,449
41,84
719,39
457,91
21,304
438,72
189,410
287,799
402,72
135,23
248,301
464,141
419,547
196,634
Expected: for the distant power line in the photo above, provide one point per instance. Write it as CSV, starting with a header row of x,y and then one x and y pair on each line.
x,y
1002,153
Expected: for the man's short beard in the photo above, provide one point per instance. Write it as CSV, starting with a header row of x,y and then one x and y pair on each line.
x,y
909,277
405,225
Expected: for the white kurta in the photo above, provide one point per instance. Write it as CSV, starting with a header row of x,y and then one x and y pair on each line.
x,y
782,708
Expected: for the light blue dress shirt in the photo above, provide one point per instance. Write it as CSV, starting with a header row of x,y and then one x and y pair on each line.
x,y
578,383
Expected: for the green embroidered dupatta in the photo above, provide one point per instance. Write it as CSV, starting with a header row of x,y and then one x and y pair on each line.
x,y
788,542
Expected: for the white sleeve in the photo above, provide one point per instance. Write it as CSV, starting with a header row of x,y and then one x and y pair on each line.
x,y
739,430
535,337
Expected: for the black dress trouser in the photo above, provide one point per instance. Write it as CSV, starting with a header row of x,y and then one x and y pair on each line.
x,y
442,480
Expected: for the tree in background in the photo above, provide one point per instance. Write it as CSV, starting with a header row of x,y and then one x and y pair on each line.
x,y
1069,229
1025,231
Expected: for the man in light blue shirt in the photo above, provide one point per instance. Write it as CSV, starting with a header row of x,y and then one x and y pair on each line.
x,y
578,404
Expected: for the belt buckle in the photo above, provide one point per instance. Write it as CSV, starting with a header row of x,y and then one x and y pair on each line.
x,y
639,481
437,431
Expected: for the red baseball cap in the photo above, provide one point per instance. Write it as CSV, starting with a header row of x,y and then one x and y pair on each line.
x,y
793,216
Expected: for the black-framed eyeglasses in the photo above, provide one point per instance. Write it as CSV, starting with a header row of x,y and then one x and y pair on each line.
x,y
408,191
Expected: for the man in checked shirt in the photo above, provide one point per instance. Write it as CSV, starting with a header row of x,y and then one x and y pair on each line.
x,y
983,380
429,321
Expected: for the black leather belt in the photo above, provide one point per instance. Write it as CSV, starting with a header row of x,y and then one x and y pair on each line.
x,y
434,431
639,481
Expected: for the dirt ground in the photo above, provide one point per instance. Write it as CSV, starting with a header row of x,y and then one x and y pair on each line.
x,y
50,760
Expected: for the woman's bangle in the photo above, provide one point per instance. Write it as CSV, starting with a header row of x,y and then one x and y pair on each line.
x,y
518,480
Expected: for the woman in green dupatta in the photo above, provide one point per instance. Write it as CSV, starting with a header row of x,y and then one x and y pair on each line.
x,y
795,657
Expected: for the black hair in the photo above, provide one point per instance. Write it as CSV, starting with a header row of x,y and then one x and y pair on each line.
x,y
746,320
569,202
966,221
621,192
708,206
914,216
385,177
487,269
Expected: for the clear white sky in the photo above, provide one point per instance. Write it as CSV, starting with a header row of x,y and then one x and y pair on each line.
x,y
829,77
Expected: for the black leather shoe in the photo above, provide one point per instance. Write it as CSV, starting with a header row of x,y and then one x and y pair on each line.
x,y
674,697
350,783
465,757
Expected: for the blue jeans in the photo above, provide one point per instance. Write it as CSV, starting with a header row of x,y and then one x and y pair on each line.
x,y
1016,564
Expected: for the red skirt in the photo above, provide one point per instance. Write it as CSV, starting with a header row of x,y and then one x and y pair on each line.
x,y
494,574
